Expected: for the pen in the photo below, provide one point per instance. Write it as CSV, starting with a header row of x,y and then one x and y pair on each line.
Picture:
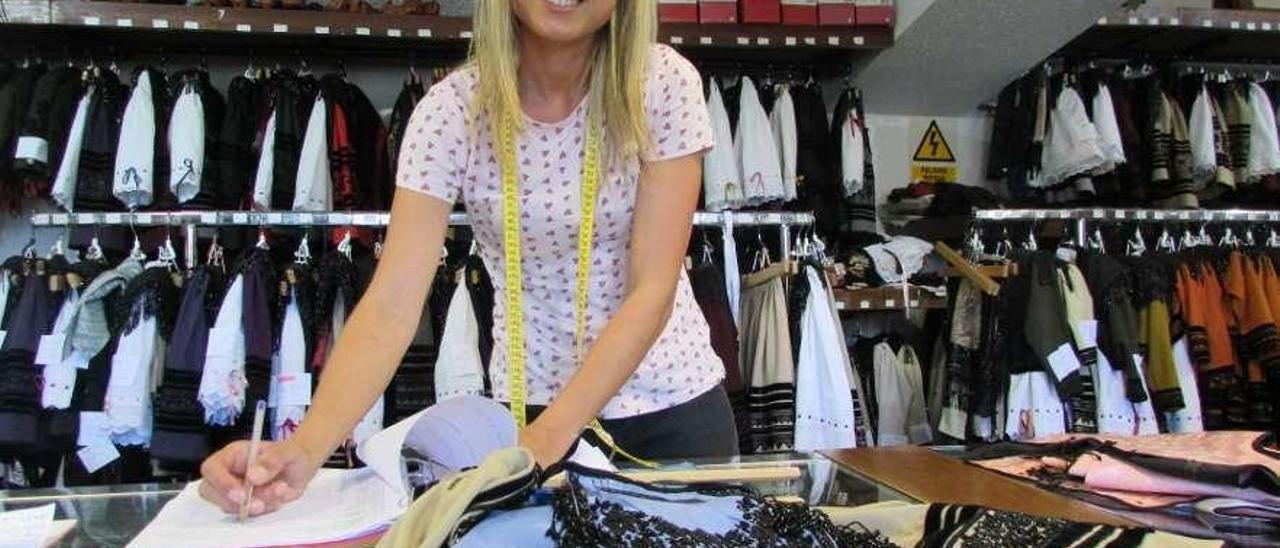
x,y
258,415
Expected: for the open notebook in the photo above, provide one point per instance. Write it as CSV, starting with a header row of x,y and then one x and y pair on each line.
x,y
347,504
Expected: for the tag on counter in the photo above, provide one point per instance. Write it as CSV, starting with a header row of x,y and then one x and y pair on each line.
x,y
95,428
95,456
50,350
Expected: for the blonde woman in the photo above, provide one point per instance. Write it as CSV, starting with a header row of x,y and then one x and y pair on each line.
x,y
564,106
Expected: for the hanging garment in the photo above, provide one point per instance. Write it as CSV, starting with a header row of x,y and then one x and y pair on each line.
x,y
1084,330
59,378
87,330
15,98
186,144
766,360
222,383
98,148
965,338
1071,146
180,437
136,156
1239,118
1047,330
707,282
480,286
721,172
373,186
817,186
1171,161
916,417
314,189
824,398
1160,373
1201,133
859,199
1108,127
459,371
43,137
31,317
257,324
894,397
128,402
732,276
290,382
862,418
264,180
782,119
295,97
756,150
851,153
236,161
412,92
63,190
1218,375
1264,143
1034,409
344,189
1189,419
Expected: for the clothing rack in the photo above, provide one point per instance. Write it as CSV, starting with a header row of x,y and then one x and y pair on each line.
x,y
1082,216
191,220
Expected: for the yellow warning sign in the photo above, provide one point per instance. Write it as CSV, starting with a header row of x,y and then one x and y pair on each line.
x,y
942,173
933,146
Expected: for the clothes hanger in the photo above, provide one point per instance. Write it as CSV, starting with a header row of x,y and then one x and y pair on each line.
x,y
1273,239
344,246
302,255
1096,242
262,239
1136,245
214,258
379,245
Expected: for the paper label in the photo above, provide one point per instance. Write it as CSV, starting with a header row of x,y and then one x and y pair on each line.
x,y
26,527
32,148
50,350
1063,361
95,456
1089,333
95,427
59,385
295,389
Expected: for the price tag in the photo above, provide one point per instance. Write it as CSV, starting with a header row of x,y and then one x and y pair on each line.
x,y
833,40
50,350
1175,21
114,218
840,305
319,30
142,218
191,25
60,218
864,305
789,40
1207,23
704,40
1235,25
279,27
1102,21
1133,20
810,41
241,27
320,218
366,219
1099,214
677,40
95,456
59,385
915,304
890,303
858,40
295,389
92,21
393,33
362,31
1153,21
762,41
424,33
1251,26
1266,26
1119,214
124,23
1041,214
240,218
94,428
209,218
1184,215
159,23
466,34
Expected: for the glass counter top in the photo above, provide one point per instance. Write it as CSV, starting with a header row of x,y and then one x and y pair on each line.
x,y
111,516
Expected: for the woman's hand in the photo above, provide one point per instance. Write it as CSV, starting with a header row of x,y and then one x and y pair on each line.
x,y
280,475
547,447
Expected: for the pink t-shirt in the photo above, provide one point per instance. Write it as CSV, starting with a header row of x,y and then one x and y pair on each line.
x,y
445,158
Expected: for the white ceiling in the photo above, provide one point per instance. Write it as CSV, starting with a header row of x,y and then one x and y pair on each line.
x,y
952,55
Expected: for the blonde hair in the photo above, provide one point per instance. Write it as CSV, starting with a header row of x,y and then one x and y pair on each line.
x,y
616,73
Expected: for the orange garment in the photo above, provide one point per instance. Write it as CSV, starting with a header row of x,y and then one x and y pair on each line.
x,y
1221,351
1257,331
1190,293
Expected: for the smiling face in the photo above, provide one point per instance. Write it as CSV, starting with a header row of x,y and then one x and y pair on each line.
x,y
564,21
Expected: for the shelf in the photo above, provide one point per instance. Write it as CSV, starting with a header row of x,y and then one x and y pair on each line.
x,y
1130,215
345,218
885,298
230,30
1205,34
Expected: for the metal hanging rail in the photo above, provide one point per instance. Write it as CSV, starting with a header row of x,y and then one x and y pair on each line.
x,y
1148,215
350,218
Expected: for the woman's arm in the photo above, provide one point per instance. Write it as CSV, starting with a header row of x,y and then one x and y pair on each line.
x,y
363,361
665,202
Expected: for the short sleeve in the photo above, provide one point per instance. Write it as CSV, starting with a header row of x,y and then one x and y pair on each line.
x,y
679,124
433,154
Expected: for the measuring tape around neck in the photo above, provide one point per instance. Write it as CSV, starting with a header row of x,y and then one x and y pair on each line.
x,y
513,268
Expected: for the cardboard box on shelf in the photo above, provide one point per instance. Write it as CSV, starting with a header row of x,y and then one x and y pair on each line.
x,y
837,13
799,12
718,11
760,11
875,14
678,11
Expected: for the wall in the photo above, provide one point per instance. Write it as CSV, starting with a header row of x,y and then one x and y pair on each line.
x,y
893,142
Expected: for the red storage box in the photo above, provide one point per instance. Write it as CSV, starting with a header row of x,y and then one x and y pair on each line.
x,y
761,11
678,11
837,13
875,15
717,11
799,12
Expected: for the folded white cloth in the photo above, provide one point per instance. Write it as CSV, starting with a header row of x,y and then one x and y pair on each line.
x,y
757,153
1264,143
459,370
900,258
783,121
1071,146
1104,120
1204,160
128,398
314,188
290,382
63,191
852,154
222,385
824,398
134,178
264,179
721,174
186,145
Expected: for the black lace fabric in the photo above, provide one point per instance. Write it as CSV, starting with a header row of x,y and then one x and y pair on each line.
x,y
593,511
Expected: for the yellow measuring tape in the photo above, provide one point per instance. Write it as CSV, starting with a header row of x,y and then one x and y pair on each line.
x,y
514,267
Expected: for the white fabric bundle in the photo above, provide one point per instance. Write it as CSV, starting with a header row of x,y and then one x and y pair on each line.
x,y
783,122
1264,143
314,188
852,154
58,380
264,179
1071,146
290,383
824,398
186,145
732,276
1109,140
1204,160
134,177
721,177
757,153
128,398
63,191
459,370
222,385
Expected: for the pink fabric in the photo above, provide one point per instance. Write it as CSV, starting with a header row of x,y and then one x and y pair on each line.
x,y
446,157
1104,472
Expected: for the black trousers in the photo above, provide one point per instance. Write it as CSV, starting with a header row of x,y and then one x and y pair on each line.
x,y
699,428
